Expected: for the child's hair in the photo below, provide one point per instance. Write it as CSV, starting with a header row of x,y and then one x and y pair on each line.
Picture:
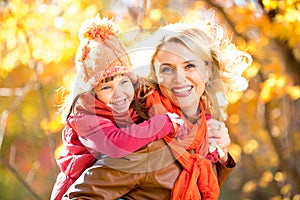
x,y
145,88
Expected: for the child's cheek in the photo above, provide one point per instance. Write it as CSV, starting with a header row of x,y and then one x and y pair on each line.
x,y
130,94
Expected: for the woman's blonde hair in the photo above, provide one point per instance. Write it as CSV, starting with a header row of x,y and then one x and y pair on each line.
x,y
210,43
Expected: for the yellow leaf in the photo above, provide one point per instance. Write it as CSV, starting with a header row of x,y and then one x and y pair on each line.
x,y
57,151
147,23
274,86
155,15
73,8
235,150
271,82
10,61
250,186
291,15
234,119
19,8
266,178
287,188
280,176
55,124
91,11
296,197
250,147
234,97
252,70
270,4
293,92
281,82
265,94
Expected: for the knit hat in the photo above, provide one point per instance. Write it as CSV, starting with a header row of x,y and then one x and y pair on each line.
x,y
101,53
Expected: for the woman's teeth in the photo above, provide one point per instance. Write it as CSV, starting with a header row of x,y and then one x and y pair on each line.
x,y
182,90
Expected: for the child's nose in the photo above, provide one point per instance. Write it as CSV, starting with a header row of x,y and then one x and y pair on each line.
x,y
117,91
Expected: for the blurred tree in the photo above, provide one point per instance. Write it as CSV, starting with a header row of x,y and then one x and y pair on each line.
x,y
38,44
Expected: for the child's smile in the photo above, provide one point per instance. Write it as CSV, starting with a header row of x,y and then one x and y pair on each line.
x,y
117,93
118,103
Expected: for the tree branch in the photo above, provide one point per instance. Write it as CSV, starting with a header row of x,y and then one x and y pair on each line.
x,y
227,19
283,163
19,177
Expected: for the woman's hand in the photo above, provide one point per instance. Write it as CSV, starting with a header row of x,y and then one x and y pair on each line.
x,y
218,138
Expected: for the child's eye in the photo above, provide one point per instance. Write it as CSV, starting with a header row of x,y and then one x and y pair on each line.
x,y
105,88
166,70
124,82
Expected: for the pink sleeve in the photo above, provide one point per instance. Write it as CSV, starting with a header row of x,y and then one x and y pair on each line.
x,y
73,159
103,136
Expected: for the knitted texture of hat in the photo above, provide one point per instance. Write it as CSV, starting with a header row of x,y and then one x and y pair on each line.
x,y
101,53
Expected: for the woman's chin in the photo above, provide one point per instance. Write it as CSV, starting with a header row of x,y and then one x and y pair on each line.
x,y
186,104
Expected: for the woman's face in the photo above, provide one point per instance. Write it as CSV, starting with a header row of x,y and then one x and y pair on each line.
x,y
117,93
181,75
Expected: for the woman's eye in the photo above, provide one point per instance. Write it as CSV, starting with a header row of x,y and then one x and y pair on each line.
x,y
167,70
190,66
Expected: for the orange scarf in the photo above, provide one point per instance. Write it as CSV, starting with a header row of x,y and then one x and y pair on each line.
x,y
197,179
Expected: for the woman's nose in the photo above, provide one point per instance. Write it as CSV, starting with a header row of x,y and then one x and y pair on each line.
x,y
179,76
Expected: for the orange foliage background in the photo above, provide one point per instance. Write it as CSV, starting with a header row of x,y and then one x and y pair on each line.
x,y
38,41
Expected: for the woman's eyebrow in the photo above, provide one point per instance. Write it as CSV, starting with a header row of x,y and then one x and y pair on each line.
x,y
168,64
161,64
189,61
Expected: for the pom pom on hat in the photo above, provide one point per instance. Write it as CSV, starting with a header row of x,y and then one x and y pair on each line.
x,y
98,29
101,53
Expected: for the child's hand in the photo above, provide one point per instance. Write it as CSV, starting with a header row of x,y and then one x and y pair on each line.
x,y
180,128
218,138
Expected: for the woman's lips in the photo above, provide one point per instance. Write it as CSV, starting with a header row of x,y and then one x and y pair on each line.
x,y
182,91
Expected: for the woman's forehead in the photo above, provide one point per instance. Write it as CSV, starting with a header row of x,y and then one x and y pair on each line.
x,y
174,52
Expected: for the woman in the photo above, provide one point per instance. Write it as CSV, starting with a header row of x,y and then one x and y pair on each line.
x,y
194,65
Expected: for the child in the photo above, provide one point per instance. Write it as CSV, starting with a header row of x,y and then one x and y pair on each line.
x,y
104,119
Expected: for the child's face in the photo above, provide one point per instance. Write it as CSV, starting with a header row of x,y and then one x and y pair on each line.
x,y
117,93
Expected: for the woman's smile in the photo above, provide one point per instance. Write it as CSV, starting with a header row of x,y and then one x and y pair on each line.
x,y
183,91
182,75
